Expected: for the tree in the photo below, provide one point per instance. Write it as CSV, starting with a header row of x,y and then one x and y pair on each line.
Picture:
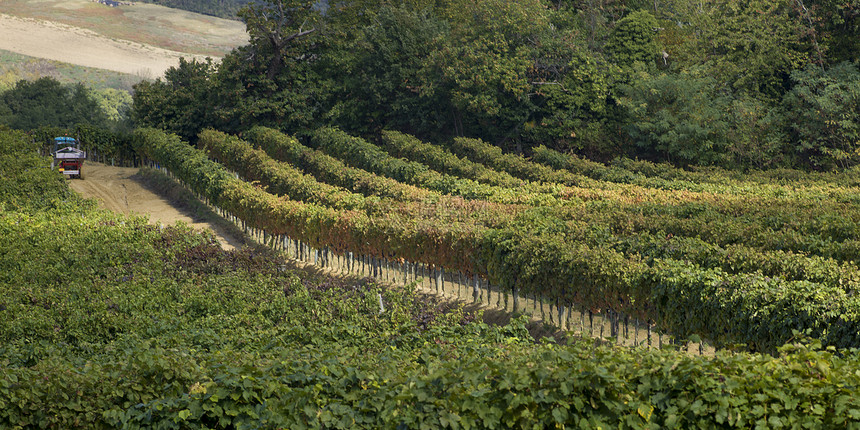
x,y
483,68
572,92
276,28
382,82
823,109
751,45
680,118
835,25
183,102
114,103
46,102
632,41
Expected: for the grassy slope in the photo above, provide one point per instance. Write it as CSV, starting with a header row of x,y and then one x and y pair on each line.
x,y
159,26
14,67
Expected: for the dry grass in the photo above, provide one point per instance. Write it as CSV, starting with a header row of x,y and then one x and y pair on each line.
x,y
149,24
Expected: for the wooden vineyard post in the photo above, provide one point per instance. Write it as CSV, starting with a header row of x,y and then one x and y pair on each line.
x,y
560,307
602,324
613,331
649,334
581,320
590,323
439,285
569,314
626,327
388,271
459,283
636,332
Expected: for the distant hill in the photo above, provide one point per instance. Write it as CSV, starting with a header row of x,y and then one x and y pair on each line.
x,y
219,8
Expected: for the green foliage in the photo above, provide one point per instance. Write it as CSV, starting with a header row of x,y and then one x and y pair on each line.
x,y
516,165
690,118
572,262
104,315
46,102
436,157
573,91
823,109
180,103
107,321
365,155
331,170
697,84
285,180
837,24
483,66
750,46
448,244
683,117
26,179
385,85
114,103
632,40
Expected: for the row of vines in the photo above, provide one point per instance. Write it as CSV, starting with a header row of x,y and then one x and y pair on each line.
x,y
564,261
107,321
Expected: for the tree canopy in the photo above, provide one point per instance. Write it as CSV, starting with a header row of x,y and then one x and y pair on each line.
x,y
46,102
721,82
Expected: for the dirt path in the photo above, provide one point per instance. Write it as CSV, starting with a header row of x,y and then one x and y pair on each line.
x,y
120,190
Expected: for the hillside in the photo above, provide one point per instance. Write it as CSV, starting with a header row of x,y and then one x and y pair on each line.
x,y
159,327
678,205
219,8
142,39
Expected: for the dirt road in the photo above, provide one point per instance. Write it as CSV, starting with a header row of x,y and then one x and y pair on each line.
x,y
119,190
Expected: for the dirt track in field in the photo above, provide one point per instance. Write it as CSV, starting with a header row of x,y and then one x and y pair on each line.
x,y
119,190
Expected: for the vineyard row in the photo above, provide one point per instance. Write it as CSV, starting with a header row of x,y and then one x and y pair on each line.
x,y
682,297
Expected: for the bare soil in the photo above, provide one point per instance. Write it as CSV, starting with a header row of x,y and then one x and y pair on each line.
x,y
121,190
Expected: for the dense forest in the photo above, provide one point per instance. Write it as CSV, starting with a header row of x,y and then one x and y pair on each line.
x,y
760,84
